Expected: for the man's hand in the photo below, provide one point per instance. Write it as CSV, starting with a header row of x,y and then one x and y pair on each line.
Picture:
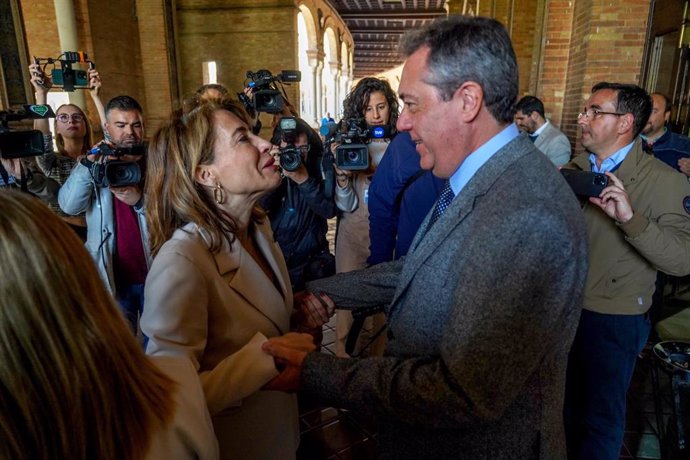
x,y
684,166
313,311
13,166
614,200
130,194
289,352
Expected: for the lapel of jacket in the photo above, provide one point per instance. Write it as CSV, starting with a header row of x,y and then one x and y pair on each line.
x,y
244,276
425,243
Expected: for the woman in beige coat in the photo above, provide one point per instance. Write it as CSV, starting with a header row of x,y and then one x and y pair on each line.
x,y
218,286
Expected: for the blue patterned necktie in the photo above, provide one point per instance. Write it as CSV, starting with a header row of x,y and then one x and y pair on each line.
x,y
442,203
533,137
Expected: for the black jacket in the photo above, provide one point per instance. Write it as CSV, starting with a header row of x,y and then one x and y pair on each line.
x,y
300,224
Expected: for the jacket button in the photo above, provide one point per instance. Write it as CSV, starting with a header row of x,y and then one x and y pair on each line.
x,y
613,280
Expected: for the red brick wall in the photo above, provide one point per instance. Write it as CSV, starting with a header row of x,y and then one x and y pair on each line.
x,y
606,42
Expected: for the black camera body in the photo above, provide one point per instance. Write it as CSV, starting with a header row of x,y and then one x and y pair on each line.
x,y
65,76
26,143
116,172
265,95
585,183
353,154
290,156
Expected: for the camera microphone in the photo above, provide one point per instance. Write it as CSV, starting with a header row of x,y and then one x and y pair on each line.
x,y
328,130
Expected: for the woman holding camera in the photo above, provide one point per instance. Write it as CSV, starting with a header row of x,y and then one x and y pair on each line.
x,y
74,383
374,100
218,286
73,138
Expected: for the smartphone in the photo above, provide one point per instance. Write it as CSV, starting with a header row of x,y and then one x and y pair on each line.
x,y
70,79
585,183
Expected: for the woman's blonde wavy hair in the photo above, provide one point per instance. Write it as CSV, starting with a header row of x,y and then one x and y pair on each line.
x,y
173,197
74,383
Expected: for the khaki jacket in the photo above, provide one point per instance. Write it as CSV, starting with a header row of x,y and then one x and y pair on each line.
x,y
624,258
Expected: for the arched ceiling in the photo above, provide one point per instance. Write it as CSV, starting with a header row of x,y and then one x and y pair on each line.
x,y
376,27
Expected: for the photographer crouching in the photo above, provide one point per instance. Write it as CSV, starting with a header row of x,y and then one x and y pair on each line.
x,y
107,186
299,207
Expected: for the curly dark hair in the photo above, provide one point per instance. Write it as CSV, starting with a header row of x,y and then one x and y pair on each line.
x,y
356,101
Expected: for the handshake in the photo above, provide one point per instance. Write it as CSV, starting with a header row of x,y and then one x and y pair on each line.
x,y
290,350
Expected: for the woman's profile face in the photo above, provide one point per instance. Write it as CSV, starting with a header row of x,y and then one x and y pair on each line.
x,y
242,164
377,110
70,122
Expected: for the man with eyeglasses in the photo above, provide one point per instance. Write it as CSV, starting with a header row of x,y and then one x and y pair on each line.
x,y
671,148
299,208
640,223
116,225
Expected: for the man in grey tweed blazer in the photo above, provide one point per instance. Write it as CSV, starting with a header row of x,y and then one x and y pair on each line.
x,y
483,309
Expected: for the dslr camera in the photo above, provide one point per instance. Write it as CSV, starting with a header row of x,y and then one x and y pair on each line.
x,y
65,76
352,154
116,172
290,156
24,143
266,97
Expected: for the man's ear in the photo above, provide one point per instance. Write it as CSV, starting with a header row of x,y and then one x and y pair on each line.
x,y
203,176
626,123
469,99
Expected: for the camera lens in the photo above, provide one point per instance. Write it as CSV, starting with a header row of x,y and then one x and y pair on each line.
x,y
600,180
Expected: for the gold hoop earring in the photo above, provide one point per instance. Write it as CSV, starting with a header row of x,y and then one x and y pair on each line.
x,y
218,194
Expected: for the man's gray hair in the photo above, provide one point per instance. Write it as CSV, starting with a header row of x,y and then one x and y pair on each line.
x,y
466,48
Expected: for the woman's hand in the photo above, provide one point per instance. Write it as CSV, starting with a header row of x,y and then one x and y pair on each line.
x,y
94,82
40,81
342,176
312,311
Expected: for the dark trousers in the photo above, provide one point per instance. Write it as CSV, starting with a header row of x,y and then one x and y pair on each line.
x,y
130,298
600,367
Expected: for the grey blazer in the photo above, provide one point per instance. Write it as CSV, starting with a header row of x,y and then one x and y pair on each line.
x,y
482,312
554,144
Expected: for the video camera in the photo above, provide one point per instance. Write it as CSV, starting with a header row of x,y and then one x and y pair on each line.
x,y
266,97
65,76
26,143
290,156
116,173
353,154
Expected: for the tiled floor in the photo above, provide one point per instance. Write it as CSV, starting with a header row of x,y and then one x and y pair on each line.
x,y
329,433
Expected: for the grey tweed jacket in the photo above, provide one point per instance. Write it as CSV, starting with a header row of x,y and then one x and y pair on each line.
x,y
482,312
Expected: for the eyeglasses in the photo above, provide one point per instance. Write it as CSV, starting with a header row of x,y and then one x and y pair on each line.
x,y
65,117
590,114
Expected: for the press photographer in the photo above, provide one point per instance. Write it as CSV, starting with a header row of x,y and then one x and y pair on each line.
x,y
371,105
264,92
299,207
73,134
18,167
104,185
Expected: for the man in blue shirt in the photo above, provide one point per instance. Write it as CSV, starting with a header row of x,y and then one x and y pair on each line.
x,y
484,306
